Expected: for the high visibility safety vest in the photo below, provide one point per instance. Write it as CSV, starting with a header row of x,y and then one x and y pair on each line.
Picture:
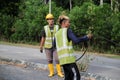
x,y
64,47
50,35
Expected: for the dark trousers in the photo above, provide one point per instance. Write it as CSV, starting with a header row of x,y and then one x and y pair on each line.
x,y
71,72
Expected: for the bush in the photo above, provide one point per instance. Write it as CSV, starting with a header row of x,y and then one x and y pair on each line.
x,y
82,18
31,20
6,26
103,22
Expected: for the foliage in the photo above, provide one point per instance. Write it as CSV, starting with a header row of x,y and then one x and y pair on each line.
x,y
23,20
9,7
5,26
31,20
66,3
103,21
104,27
82,18
115,33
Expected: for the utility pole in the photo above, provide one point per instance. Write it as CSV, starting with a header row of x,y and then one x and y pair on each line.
x,y
101,2
49,6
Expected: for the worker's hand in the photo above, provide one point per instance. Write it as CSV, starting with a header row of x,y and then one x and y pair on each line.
x,y
41,49
89,35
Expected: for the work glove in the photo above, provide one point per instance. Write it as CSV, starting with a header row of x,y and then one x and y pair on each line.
x,y
89,35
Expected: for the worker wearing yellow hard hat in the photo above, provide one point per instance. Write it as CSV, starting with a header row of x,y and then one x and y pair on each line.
x,y
49,16
47,41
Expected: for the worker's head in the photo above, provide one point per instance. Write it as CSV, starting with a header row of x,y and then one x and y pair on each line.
x,y
50,19
64,21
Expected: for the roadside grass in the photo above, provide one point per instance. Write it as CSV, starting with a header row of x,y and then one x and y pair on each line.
x,y
115,56
36,45
30,45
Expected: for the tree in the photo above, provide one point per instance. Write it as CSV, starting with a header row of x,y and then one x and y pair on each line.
x,y
82,17
8,12
31,20
46,1
115,5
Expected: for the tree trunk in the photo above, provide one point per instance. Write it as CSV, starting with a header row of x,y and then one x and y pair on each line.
x,y
46,1
112,4
70,3
116,6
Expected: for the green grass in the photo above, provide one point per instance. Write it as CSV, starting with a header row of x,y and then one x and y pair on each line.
x,y
32,45
111,56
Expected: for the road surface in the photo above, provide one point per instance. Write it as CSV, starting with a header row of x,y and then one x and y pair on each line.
x,y
99,65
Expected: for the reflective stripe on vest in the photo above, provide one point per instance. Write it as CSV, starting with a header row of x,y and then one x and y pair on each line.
x,y
64,47
49,36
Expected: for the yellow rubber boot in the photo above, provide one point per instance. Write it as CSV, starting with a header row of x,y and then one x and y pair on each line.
x,y
51,69
59,72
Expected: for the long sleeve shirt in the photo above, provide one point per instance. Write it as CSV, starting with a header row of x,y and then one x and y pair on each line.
x,y
72,36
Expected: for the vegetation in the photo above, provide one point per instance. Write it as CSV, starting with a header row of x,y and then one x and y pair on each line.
x,y
23,20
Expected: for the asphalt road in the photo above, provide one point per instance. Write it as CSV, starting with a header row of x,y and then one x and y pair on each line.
x,y
105,67
9,72
99,65
22,53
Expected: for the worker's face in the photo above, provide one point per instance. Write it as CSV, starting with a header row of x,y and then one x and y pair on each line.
x,y
50,21
67,23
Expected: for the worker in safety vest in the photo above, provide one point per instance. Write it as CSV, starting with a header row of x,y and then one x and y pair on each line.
x,y
47,41
64,38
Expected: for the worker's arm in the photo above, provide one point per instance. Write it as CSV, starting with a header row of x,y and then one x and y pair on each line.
x,y
42,41
42,44
72,36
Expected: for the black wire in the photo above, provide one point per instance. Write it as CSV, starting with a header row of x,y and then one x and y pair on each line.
x,y
110,41
81,55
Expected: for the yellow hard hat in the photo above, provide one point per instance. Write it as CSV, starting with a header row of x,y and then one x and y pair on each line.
x,y
49,16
